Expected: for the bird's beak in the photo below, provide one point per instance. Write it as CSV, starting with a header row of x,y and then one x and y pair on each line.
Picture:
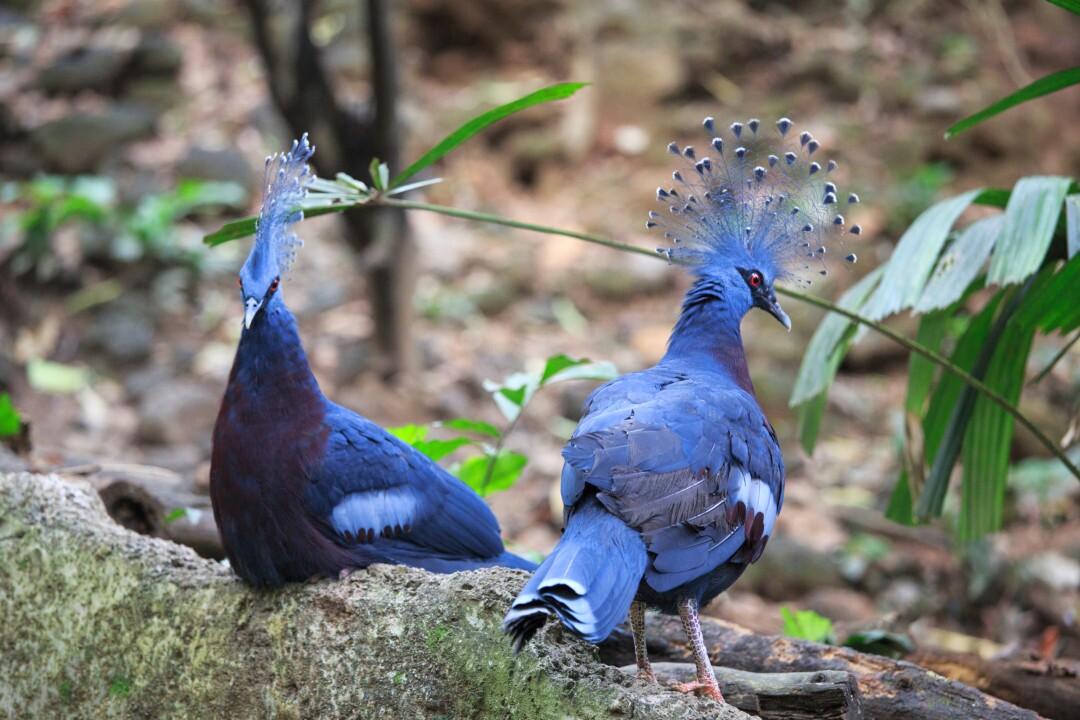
x,y
251,307
772,306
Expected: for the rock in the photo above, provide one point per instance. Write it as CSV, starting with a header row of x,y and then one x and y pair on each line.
x,y
226,165
94,67
157,54
102,622
635,275
79,142
123,331
178,412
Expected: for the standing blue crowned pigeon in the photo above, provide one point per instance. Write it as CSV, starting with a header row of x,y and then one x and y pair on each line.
x,y
303,488
673,479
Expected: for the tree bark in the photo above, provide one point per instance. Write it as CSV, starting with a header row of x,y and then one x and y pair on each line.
x,y
346,142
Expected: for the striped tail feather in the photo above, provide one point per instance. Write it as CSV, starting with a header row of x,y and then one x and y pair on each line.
x,y
588,581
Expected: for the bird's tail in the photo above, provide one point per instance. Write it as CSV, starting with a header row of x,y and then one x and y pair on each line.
x,y
588,581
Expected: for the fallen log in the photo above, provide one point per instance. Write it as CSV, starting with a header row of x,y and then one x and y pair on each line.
x,y
102,622
826,695
1048,687
889,688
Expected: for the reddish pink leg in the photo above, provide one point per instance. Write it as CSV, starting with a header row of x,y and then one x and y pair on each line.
x,y
705,683
637,625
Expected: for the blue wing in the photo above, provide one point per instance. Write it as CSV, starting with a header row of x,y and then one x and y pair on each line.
x,y
688,460
368,484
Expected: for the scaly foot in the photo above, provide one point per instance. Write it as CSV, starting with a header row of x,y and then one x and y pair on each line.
x,y
702,688
646,673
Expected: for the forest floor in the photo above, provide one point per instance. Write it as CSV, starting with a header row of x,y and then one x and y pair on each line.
x,y
158,335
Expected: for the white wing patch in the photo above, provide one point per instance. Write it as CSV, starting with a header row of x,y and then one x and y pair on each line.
x,y
363,516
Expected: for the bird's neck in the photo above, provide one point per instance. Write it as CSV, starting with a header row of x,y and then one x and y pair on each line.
x,y
270,361
708,335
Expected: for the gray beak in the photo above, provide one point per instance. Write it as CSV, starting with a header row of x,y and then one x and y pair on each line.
x,y
773,308
251,307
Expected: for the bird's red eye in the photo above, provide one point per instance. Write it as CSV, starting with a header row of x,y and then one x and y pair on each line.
x,y
755,279
240,283
273,285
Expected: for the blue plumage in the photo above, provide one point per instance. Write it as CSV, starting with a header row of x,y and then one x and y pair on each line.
x,y
303,487
673,479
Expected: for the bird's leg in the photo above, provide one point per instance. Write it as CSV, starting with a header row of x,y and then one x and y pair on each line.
x,y
705,683
637,626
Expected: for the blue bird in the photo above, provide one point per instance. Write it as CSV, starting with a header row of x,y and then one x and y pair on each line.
x,y
673,479
301,487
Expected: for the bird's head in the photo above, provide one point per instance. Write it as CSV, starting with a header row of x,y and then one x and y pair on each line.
x,y
285,183
754,211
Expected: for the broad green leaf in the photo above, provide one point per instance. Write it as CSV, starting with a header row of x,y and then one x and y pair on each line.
x,y
816,372
10,422
1072,224
53,377
994,197
474,426
1048,306
901,507
811,413
989,437
409,434
807,625
507,467
913,259
1030,219
438,449
949,410
1042,86
1072,6
560,368
472,127
960,264
931,334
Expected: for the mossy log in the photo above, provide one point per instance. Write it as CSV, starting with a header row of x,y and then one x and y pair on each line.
x,y
101,622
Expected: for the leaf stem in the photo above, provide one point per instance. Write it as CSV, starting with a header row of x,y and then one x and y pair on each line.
x,y
888,332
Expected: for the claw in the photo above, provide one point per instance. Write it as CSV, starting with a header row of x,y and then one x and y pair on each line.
x,y
646,674
701,688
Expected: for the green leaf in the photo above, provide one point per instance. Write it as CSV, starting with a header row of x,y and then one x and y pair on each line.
x,y
880,642
438,449
1044,307
945,417
1072,6
10,422
1030,219
243,228
808,625
811,413
53,377
1072,224
514,393
960,264
913,259
409,434
561,368
988,440
901,507
472,127
174,515
474,426
816,371
507,468
1042,86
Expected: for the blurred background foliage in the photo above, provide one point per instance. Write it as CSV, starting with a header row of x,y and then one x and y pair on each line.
x,y
131,128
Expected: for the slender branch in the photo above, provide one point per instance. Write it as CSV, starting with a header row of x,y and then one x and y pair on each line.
x,y
888,332
507,222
